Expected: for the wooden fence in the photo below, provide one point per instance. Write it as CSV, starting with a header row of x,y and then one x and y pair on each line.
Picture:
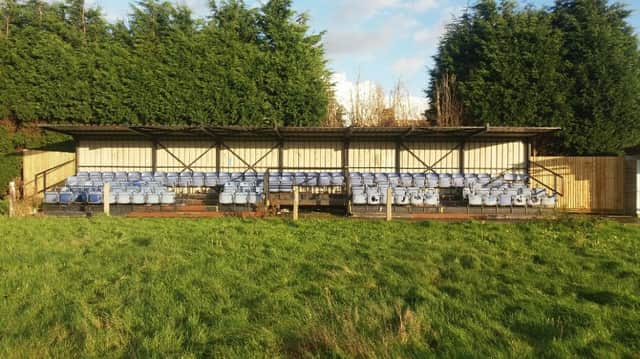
x,y
585,184
42,170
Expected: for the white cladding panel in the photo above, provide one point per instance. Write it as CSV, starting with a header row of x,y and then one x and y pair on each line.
x,y
114,155
480,156
495,157
372,156
442,156
200,155
313,155
259,154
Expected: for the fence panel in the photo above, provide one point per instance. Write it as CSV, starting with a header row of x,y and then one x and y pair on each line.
x,y
43,170
587,184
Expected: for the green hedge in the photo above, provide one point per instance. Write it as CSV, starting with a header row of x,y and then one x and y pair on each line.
x,y
10,143
4,208
10,167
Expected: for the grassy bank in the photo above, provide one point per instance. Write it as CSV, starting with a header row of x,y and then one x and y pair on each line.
x,y
234,288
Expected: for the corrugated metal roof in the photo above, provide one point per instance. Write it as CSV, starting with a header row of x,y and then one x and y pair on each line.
x,y
295,132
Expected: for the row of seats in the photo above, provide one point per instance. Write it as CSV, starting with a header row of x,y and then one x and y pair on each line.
x,y
509,196
211,179
433,180
423,189
401,196
283,182
504,197
138,192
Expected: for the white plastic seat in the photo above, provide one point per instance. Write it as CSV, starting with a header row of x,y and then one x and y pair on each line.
x,y
466,192
383,196
444,181
197,181
357,190
168,198
458,181
520,200
138,198
359,198
153,198
431,199
337,179
299,179
123,198
113,197
211,181
373,198
230,187
324,179
420,180
417,199
475,199
402,199
252,197
490,201
505,200
534,201
51,197
549,202
241,198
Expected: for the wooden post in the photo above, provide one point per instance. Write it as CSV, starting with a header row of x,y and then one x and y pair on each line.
x,y
296,202
280,156
265,190
106,195
463,148
218,155
389,203
154,155
12,199
398,165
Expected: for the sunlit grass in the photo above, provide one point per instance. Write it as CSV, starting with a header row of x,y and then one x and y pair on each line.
x,y
340,288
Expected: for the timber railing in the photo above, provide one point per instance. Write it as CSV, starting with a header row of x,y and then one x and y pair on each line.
x,y
557,179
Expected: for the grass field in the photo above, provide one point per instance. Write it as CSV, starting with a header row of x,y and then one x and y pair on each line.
x,y
318,288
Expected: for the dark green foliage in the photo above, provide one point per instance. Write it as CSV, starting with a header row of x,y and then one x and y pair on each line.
x,y
240,66
576,65
10,167
601,58
12,140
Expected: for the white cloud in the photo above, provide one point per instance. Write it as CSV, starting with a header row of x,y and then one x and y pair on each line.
x,y
422,5
358,40
408,66
357,10
198,7
429,36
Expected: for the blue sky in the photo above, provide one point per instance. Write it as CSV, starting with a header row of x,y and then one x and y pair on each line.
x,y
381,41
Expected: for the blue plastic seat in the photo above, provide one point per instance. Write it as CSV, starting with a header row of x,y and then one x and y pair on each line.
x,y
94,197
51,197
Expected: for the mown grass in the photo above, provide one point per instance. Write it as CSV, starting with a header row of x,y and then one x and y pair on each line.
x,y
318,288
